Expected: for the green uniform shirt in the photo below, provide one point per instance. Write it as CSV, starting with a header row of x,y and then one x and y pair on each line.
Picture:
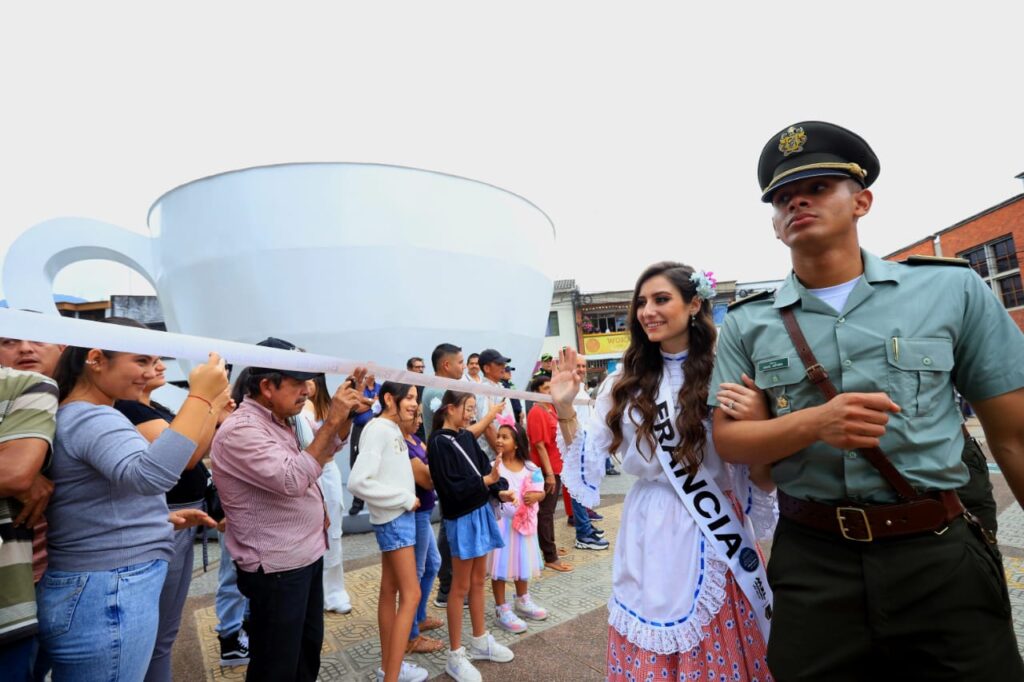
x,y
910,331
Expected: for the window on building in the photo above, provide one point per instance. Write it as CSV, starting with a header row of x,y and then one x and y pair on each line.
x,y
1004,255
605,324
1011,290
553,323
996,263
978,260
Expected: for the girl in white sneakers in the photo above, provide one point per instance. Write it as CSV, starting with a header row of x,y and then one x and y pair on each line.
x,y
520,559
466,482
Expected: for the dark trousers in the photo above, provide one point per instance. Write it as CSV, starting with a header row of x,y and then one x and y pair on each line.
x,y
927,607
286,622
977,493
353,454
444,574
546,523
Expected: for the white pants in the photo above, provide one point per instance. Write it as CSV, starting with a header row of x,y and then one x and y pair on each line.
x,y
335,596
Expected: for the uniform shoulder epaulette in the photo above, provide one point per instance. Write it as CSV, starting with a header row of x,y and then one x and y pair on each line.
x,y
759,296
936,260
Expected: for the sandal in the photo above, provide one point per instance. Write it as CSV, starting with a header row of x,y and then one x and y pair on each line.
x,y
430,623
424,645
562,551
559,566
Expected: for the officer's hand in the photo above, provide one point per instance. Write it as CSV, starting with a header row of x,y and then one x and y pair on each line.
x,y
854,420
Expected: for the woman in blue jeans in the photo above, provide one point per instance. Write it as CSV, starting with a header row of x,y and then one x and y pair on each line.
x,y
428,559
111,534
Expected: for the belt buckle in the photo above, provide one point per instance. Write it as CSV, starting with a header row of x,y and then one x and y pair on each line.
x,y
845,531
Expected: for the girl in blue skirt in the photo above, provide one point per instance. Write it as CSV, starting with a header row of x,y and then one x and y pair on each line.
x,y
466,483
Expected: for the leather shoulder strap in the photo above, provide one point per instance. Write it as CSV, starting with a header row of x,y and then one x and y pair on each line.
x,y
819,377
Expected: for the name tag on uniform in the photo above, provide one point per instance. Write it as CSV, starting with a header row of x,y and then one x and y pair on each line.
x,y
772,365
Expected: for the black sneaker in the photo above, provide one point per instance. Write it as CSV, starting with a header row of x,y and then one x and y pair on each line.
x,y
357,506
591,542
234,649
441,601
597,531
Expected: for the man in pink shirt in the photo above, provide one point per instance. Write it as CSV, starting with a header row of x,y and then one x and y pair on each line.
x,y
276,520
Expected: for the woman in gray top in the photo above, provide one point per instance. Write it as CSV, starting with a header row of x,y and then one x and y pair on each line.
x,y
111,534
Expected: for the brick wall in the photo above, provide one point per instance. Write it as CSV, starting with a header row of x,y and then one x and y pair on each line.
x,y
1001,220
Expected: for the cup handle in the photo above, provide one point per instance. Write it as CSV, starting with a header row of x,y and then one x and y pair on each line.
x,y
42,251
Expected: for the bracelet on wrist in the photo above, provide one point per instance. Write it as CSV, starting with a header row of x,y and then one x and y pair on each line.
x,y
199,397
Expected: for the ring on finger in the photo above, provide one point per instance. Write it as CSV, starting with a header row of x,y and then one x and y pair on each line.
x,y
732,404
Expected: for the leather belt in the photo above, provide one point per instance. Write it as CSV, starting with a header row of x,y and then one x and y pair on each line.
x,y
930,512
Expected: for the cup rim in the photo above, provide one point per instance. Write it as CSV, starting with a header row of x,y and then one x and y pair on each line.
x,y
232,171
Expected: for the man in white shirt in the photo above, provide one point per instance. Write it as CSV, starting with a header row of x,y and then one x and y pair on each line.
x,y
492,366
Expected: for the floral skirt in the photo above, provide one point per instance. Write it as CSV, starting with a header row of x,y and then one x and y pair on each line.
x,y
732,651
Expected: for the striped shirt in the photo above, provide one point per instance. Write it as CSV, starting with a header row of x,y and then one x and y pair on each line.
x,y
269,490
28,409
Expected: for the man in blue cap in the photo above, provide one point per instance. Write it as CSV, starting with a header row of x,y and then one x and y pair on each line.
x,y
877,569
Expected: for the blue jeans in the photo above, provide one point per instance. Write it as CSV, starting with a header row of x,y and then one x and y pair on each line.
x,y
100,625
428,561
230,605
582,520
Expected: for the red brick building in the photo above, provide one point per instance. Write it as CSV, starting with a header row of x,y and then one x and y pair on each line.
x,y
991,240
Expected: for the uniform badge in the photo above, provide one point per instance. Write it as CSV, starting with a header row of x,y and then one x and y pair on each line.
x,y
792,141
782,402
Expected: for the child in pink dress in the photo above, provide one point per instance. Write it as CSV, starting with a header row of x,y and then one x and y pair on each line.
x,y
520,559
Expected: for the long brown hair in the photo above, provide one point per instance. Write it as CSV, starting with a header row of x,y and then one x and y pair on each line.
x,y
321,399
642,366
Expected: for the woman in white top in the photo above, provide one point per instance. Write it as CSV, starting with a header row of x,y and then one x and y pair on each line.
x,y
677,609
382,476
336,597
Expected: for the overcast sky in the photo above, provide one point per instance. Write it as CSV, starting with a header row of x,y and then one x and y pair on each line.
x,y
635,126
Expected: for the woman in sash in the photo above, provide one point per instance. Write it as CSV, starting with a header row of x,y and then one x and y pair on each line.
x,y
689,600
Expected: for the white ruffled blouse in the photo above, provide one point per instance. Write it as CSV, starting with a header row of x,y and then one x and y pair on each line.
x,y
668,583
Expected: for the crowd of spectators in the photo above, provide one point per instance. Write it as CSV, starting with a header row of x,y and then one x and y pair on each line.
x,y
105,496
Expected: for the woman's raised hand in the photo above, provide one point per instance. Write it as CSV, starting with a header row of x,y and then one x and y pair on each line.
x,y
209,381
565,380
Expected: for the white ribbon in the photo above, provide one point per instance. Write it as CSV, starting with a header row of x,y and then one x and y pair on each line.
x,y
18,324
714,514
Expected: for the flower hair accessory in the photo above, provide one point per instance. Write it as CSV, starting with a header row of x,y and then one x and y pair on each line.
x,y
706,284
506,420
435,404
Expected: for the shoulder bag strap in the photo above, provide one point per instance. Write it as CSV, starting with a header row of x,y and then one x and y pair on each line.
x,y
819,377
468,458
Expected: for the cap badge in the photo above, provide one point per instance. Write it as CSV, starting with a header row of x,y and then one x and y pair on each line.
x,y
792,141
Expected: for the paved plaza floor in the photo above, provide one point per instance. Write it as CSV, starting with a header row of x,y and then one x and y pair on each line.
x,y
569,646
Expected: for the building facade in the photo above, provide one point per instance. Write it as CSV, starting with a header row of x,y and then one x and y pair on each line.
x,y
990,242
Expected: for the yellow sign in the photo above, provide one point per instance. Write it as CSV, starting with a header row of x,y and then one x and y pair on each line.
x,y
617,342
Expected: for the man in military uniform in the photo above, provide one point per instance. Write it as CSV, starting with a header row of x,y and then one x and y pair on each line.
x,y
877,575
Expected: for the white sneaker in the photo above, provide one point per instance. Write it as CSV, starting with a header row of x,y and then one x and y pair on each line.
x,y
527,609
485,648
508,620
410,672
459,668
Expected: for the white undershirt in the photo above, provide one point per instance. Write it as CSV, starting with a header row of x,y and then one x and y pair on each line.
x,y
836,296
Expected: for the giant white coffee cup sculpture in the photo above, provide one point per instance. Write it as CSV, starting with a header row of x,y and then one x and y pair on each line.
x,y
361,261
364,261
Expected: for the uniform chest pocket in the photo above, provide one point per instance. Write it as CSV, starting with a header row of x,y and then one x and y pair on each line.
x,y
919,372
777,377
